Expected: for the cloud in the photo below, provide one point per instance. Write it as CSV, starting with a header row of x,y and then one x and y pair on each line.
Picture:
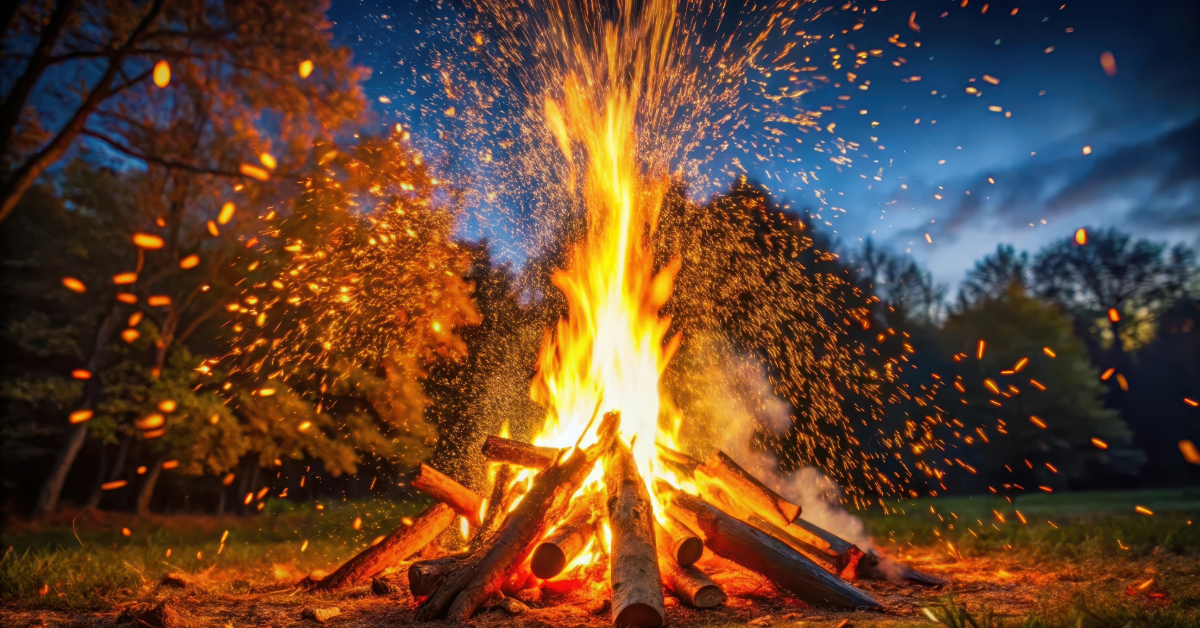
x,y
1152,184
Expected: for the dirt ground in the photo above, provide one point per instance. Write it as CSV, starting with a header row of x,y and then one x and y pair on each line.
x,y
1007,584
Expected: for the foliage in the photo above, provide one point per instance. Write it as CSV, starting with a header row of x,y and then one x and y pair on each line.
x,y
235,89
998,427
1138,279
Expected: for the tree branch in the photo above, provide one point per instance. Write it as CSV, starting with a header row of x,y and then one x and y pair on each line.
x,y
23,177
166,163
10,111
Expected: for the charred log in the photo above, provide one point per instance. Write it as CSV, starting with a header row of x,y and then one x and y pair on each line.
x,y
569,539
489,567
500,449
396,547
443,488
756,550
424,576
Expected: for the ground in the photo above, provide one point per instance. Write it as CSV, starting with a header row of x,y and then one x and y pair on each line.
x,y
1076,560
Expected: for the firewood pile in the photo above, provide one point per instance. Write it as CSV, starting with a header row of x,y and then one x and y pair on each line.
x,y
552,533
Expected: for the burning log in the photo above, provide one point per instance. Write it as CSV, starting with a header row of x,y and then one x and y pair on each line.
x,y
687,582
840,557
424,576
398,546
736,485
441,487
756,550
678,542
486,570
500,449
569,539
504,477
637,597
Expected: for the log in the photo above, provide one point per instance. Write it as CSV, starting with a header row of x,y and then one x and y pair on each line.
x,y
637,597
756,550
677,458
398,546
487,568
687,582
845,556
443,488
504,477
569,538
677,541
424,576
829,560
746,490
500,449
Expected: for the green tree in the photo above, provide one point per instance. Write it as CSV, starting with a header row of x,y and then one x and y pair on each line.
x,y
1116,287
1015,390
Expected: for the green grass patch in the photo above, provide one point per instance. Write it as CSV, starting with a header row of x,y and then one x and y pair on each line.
x,y
98,566
1065,525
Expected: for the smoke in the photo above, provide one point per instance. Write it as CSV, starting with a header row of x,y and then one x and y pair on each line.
x,y
728,401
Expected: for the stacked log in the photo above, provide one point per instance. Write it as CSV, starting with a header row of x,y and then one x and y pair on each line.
x,y
394,548
636,584
569,539
487,568
756,550
686,582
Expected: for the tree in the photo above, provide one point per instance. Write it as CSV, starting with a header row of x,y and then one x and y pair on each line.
x,y
1029,419
901,284
355,291
993,275
756,279
1115,286
88,68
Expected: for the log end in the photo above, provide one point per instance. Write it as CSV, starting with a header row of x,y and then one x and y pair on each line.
x,y
688,551
548,561
710,596
638,615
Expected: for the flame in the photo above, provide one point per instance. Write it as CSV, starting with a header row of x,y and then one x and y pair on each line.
x,y
609,353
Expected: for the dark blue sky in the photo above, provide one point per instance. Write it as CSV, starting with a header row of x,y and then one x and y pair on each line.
x,y
1142,175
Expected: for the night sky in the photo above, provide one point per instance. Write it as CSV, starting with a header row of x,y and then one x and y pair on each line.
x,y
1142,124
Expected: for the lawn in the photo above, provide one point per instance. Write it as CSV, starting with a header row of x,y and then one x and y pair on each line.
x,y
1079,559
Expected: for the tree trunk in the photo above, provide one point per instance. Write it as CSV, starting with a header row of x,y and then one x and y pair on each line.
x,y
568,539
52,488
746,490
424,576
500,449
147,491
10,111
113,473
443,488
636,584
687,582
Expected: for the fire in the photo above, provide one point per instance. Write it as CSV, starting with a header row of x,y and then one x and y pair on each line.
x,y
610,351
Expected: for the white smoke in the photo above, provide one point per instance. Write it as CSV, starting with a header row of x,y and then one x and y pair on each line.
x,y
739,402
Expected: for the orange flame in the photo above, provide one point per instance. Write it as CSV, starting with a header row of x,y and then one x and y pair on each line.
x,y
609,352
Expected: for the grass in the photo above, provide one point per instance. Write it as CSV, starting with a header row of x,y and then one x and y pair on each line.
x,y
1073,574
94,565
1074,525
